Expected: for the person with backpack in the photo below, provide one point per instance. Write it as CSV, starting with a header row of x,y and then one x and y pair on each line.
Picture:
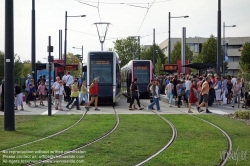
x,y
156,94
180,92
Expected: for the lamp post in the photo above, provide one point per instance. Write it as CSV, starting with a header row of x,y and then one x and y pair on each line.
x,y
82,51
169,42
65,41
224,42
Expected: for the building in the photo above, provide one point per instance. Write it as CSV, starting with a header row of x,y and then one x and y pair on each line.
x,y
195,44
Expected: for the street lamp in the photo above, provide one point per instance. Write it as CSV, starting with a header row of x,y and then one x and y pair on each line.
x,y
82,52
65,41
169,43
224,42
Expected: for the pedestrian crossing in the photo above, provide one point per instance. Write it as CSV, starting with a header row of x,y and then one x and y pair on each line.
x,y
52,112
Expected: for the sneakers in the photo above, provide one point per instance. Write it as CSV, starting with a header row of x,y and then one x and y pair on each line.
x,y
87,108
67,107
170,105
207,111
153,108
97,109
198,109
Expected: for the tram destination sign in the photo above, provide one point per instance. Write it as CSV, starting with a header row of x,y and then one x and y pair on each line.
x,y
100,62
141,67
167,67
71,67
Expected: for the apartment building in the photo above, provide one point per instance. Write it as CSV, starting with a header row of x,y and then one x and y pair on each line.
x,y
195,44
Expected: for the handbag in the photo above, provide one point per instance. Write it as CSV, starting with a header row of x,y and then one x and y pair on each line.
x,y
34,93
57,96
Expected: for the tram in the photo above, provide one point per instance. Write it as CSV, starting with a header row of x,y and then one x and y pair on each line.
x,y
140,69
105,66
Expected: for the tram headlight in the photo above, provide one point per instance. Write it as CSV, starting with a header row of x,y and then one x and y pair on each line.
x,y
114,88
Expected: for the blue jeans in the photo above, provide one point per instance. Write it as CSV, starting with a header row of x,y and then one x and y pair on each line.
x,y
155,101
83,96
170,97
71,101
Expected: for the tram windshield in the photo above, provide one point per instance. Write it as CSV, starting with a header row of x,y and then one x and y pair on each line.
x,y
142,74
101,68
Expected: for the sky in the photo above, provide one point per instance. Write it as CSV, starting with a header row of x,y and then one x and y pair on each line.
x,y
127,18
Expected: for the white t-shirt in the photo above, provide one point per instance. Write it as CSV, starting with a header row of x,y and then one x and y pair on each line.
x,y
188,84
157,90
60,89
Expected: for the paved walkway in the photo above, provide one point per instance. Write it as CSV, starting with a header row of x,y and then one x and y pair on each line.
x,y
121,108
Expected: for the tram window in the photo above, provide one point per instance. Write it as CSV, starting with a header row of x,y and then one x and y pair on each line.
x,y
101,70
142,74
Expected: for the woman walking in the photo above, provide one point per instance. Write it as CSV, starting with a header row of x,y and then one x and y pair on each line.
x,y
93,91
83,93
156,95
218,91
19,97
170,92
74,95
193,98
237,92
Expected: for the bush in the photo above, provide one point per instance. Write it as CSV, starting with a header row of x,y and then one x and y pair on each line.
x,y
242,114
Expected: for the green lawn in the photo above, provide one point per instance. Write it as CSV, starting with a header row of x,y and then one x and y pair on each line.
x,y
30,128
136,138
90,128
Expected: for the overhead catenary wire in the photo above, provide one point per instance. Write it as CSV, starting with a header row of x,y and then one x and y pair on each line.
x,y
145,17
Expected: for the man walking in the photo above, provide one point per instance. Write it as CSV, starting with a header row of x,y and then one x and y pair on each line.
x,y
204,92
156,94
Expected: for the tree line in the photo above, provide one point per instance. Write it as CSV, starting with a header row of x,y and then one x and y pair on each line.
x,y
126,47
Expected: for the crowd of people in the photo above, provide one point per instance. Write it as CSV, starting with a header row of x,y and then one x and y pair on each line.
x,y
68,88
203,90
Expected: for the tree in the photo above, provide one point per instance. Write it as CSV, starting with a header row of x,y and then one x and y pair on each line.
x,y
176,53
73,60
209,50
245,58
124,49
18,66
26,69
158,66
147,54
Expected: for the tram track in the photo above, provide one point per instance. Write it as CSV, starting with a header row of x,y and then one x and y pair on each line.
x,y
81,146
50,136
226,156
174,136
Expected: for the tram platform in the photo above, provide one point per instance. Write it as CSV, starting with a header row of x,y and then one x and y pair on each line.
x,y
122,108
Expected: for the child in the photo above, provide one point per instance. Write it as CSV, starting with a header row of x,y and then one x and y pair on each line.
x,y
41,91
59,92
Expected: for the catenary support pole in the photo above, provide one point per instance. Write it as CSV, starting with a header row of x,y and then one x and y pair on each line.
x,y
33,42
9,113
219,39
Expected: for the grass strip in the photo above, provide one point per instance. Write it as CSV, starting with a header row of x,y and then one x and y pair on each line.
x,y
29,128
90,128
197,143
136,138
239,133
